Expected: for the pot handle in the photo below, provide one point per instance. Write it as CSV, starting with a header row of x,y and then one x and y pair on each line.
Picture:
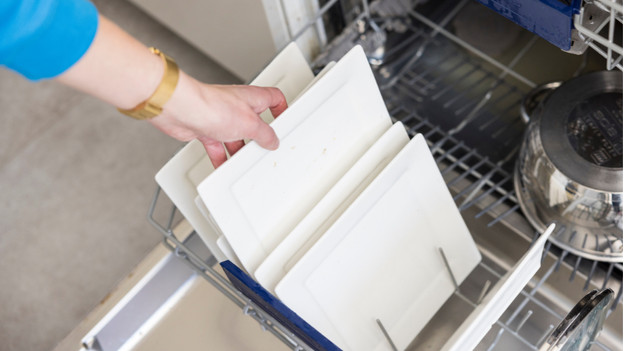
x,y
534,98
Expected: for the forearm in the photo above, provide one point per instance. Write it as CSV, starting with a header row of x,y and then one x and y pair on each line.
x,y
120,70
117,68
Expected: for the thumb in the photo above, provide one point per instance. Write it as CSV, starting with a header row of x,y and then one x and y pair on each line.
x,y
265,136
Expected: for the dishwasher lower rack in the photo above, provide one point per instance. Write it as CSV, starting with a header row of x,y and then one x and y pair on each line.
x,y
492,215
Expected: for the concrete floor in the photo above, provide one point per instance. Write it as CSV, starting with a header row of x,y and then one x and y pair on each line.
x,y
76,179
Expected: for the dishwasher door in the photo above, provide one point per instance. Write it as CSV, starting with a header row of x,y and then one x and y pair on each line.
x,y
164,304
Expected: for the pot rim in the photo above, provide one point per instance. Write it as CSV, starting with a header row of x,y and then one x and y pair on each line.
x,y
553,131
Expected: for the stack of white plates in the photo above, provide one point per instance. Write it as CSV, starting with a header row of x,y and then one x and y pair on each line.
x,y
345,221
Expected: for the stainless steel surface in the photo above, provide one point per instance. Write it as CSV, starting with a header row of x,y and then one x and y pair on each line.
x,y
569,169
594,163
534,98
579,328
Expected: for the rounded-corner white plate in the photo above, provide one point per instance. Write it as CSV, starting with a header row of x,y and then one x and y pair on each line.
x,y
325,69
222,243
289,71
179,178
381,260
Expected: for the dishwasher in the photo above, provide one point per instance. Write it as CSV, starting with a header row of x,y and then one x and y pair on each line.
x,y
457,73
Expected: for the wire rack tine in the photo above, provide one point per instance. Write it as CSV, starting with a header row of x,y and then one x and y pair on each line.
x,y
498,336
448,268
432,35
524,320
484,291
608,275
503,215
590,275
471,48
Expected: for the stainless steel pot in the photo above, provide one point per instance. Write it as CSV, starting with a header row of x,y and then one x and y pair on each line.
x,y
569,169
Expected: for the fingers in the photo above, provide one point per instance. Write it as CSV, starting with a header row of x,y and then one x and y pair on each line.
x,y
243,122
278,102
263,134
261,98
233,146
215,151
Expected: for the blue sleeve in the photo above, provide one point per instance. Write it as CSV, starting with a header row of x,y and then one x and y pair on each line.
x,y
43,38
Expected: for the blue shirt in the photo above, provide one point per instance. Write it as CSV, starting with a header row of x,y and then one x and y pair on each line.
x,y
43,38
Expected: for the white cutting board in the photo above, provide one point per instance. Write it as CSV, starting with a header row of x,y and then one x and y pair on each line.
x,y
381,260
325,213
289,71
325,69
222,243
258,196
179,177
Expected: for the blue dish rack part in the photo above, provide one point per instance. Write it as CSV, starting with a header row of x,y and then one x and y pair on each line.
x,y
276,309
552,20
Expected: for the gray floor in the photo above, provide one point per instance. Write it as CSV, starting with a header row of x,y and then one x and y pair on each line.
x,y
76,178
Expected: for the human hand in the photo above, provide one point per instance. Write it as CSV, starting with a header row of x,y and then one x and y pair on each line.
x,y
216,114
121,71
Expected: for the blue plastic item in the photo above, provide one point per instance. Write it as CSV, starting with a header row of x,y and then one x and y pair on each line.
x,y
552,20
276,309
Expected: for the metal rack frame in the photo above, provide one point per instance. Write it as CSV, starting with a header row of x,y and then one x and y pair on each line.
x,y
205,268
591,35
479,183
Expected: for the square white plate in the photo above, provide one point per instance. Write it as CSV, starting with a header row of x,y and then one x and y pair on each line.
x,y
179,177
222,243
258,196
381,260
474,328
325,69
228,251
325,213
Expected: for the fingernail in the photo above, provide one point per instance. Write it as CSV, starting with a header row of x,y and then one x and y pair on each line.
x,y
275,144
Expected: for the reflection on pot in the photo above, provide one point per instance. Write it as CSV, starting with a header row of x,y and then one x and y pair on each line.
x,y
569,169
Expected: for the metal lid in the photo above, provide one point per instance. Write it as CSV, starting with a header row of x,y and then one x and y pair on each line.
x,y
581,326
581,130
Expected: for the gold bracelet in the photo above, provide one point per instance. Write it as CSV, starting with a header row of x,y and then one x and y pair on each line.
x,y
153,105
